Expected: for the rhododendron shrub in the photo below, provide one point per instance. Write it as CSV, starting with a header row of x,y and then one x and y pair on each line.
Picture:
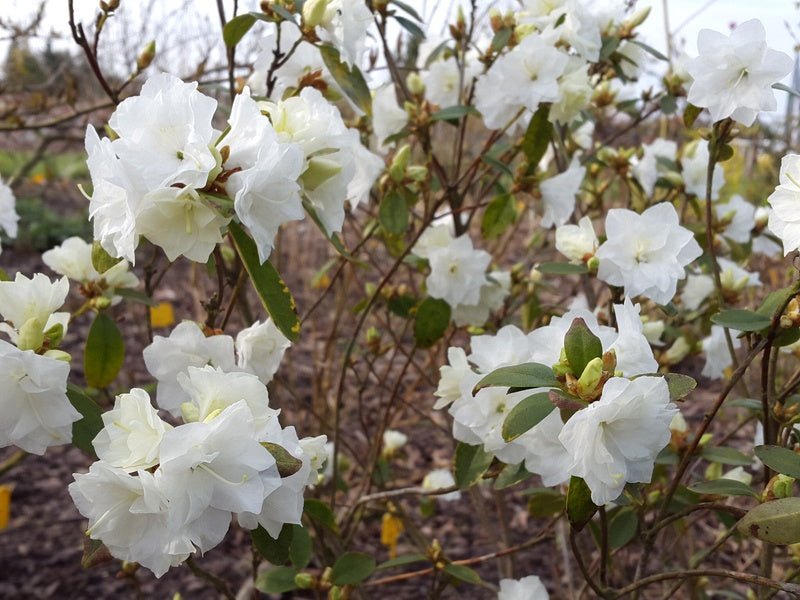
x,y
530,261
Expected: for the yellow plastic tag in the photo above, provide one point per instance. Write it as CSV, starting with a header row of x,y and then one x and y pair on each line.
x,y
162,315
5,505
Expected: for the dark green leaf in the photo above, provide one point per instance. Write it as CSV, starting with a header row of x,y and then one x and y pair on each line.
x,y
432,319
273,292
287,464
300,548
393,213
500,213
537,136
351,568
471,462
780,460
87,428
690,115
401,305
105,352
320,512
650,50
544,502
277,581
452,113
134,296
462,573
402,561
776,522
493,162
525,376
411,27
557,268
775,300
235,29
726,456
581,346
526,415
349,79
408,9
274,550
741,320
580,508
511,475
102,261
679,385
723,487
622,527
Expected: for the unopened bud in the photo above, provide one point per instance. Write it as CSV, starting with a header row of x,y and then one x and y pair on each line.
x,y
58,355
415,84
397,170
639,17
677,352
146,57
593,264
417,173
55,334
101,302
304,581
780,486
590,378
314,13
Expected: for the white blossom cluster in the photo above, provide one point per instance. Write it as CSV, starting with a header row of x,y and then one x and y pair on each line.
x,y
170,177
9,219
158,493
611,441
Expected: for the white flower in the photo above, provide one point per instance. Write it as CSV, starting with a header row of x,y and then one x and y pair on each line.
x,y
616,439
181,223
577,242
212,390
741,216
132,432
34,409
527,588
8,211
784,220
546,342
444,81
393,440
718,356
735,278
583,136
131,516
345,26
534,65
558,195
185,347
648,168
451,376
165,133
387,116
509,346
733,76
545,455
678,423
493,293
457,272
646,253
695,172
436,237
697,289
368,167
440,479
29,307
575,91
634,355
317,449
260,349
653,330
73,259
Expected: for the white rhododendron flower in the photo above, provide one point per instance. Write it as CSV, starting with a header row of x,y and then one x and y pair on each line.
x,y
632,348
492,296
8,211
545,455
696,290
740,216
29,307
393,440
344,25
527,588
718,356
509,346
260,349
646,254
444,81
735,278
457,272
558,195
450,377
131,436
647,169
388,118
185,347
575,92
441,479
695,172
534,65
784,220
733,75
546,342
577,242
616,439
35,412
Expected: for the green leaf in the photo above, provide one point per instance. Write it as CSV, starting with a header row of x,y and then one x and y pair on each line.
x,y
431,321
453,113
776,522
105,352
609,46
690,115
235,29
679,385
622,527
526,415
493,162
102,261
351,568
775,300
408,9
559,268
741,320
780,460
269,286
525,376
300,548
580,508
499,214
544,502
650,50
462,573
87,428
349,79
471,462
501,38
274,550
401,561
277,581
785,88
411,27
134,296
537,136
723,487
393,213
581,346
320,512
94,553
287,464
511,475
726,456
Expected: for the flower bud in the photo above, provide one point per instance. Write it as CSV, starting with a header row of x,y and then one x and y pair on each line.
x,y
31,335
58,355
397,170
101,302
677,352
417,172
55,334
593,264
590,378
415,84
319,171
146,56
314,13
639,17
304,581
